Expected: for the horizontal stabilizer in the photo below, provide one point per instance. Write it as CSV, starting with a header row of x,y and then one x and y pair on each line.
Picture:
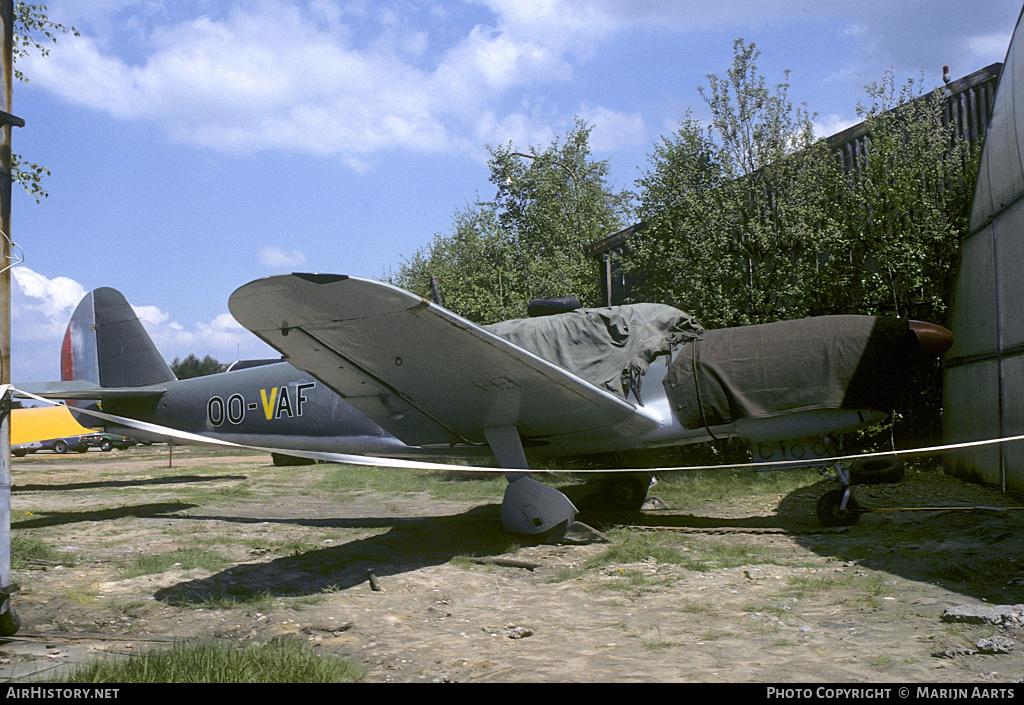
x,y
86,391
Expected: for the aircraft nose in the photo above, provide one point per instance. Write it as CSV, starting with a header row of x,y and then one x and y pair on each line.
x,y
932,340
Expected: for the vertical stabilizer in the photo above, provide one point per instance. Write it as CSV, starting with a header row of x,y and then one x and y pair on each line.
x,y
106,344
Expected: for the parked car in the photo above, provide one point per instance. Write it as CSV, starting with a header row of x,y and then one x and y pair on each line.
x,y
108,441
79,444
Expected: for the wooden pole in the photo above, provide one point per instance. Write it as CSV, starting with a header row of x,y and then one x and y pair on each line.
x,y
8,617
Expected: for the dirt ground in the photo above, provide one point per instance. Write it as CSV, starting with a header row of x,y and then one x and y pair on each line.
x,y
799,604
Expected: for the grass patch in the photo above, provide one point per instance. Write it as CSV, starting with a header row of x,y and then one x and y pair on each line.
x,y
777,610
658,645
470,486
666,548
564,575
26,551
635,548
228,600
695,488
632,582
694,607
211,662
801,586
865,587
184,558
722,554
715,636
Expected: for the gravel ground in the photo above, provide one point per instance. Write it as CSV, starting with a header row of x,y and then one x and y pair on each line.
x,y
762,593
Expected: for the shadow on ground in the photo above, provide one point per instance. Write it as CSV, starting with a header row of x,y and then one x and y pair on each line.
x,y
156,509
930,528
408,544
135,482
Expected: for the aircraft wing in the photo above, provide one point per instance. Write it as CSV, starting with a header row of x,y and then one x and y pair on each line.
x,y
419,371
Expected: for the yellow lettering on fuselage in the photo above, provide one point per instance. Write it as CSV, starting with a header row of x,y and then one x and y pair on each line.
x,y
268,405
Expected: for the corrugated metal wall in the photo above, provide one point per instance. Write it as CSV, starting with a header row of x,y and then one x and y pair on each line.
x,y
984,370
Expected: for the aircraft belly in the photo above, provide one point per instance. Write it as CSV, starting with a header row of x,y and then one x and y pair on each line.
x,y
388,446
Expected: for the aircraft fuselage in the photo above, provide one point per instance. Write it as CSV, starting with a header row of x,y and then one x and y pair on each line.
x,y
272,405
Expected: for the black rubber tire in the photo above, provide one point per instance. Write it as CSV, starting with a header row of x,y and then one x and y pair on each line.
x,y
284,460
106,446
625,492
10,623
60,447
829,513
876,471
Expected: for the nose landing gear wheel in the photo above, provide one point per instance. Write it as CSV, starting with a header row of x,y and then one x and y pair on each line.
x,y
831,511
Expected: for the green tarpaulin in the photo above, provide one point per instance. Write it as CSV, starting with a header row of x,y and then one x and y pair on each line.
x,y
609,347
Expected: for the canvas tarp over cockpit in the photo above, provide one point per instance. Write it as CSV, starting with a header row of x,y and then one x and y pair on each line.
x,y
609,347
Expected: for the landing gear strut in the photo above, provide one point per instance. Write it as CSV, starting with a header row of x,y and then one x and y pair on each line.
x,y
839,507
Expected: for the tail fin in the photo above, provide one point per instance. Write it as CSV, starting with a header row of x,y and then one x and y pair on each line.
x,y
106,344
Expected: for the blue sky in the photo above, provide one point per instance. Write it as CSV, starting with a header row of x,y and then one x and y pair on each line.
x,y
195,146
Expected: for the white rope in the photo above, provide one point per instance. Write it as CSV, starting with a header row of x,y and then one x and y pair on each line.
x,y
17,254
420,465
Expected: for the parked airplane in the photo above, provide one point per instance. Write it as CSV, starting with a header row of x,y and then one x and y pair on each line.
x,y
372,369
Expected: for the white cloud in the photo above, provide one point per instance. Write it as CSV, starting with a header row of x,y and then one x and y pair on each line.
x,y
612,129
151,315
41,308
519,128
306,86
224,333
355,79
327,80
276,258
49,302
828,125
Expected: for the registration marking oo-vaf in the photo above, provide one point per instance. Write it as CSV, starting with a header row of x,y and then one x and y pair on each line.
x,y
277,403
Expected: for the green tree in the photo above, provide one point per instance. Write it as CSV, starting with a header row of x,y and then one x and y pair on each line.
x,y
752,220
906,206
192,366
528,241
739,225
473,267
33,32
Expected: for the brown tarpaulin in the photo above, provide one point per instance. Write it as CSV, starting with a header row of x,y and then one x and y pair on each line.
x,y
829,362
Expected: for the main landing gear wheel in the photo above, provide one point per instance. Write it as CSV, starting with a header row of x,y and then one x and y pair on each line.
x,y
831,512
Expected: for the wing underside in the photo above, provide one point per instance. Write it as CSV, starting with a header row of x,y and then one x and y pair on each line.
x,y
424,374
